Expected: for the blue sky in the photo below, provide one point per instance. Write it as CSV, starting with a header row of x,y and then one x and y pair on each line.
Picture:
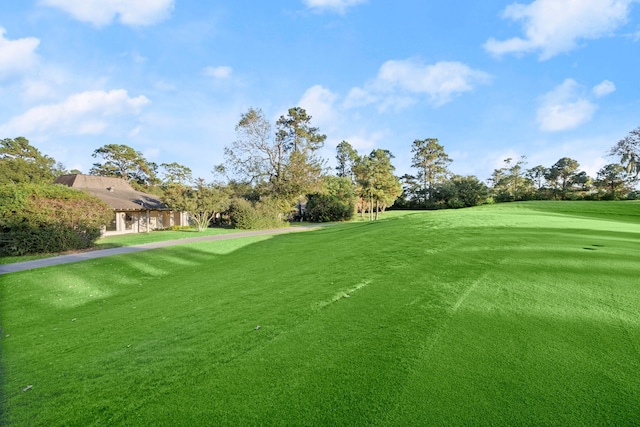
x,y
490,79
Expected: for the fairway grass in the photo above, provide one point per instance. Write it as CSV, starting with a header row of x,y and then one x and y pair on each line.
x,y
511,314
132,239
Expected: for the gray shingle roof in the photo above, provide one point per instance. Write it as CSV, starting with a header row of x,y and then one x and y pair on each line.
x,y
117,193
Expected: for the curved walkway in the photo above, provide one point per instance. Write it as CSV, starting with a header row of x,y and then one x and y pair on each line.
x,y
65,259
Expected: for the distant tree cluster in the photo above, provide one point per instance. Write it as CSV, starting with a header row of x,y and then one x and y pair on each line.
x,y
283,169
561,181
434,187
272,174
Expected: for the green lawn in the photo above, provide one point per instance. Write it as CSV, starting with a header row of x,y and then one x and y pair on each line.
x,y
158,236
133,239
511,314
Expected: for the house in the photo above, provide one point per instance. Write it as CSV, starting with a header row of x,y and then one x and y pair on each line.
x,y
134,211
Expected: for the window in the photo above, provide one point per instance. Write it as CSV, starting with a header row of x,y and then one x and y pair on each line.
x,y
128,221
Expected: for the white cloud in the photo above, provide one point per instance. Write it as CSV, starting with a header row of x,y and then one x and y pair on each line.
x,y
80,114
398,83
339,6
552,27
366,141
46,84
359,97
220,72
564,108
102,12
319,103
603,89
37,89
16,56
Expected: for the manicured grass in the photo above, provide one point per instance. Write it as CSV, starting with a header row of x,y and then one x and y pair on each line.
x,y
132,240
158,236
513,314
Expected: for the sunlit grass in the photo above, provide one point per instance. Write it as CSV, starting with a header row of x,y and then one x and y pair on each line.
x,y
132,239
515,314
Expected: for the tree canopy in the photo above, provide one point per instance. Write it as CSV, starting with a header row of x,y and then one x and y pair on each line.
x,y
204,201
20,162
628,151
122,161
284,164
431,161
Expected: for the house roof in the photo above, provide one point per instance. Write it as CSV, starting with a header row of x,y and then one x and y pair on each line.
x,y
117,193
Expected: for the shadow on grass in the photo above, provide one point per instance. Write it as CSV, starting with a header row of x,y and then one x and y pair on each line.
x,y
289,273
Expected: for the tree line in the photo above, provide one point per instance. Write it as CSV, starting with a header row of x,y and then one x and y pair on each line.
x,y
435,187
273,173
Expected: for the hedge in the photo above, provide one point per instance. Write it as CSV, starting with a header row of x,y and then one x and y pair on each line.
x,y
37,218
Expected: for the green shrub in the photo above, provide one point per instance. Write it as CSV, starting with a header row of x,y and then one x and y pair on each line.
x,y
246,215
325,208
176,228
633,195
48,218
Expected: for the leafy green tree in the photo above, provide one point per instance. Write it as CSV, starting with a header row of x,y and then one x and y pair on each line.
x,y
122,161
469,190
411,193
378,187
346,156
296,133
460,192
510,183
303,166
628,150
562,175
536,174
285,165
341,187
20,162
254,157
203,201
363,172
518,182
431,161
175,173
336,203
581,182
614,180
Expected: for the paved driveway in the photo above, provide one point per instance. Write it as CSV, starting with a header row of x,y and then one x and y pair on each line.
x,y
65,259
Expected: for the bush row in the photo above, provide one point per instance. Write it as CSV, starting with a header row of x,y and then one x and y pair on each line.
x,y
36,218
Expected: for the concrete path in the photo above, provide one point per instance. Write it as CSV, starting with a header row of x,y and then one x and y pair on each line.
x,y
82,256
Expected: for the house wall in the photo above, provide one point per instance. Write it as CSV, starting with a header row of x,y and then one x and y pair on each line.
x,y
140,222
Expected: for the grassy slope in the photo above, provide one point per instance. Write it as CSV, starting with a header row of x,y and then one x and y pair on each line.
x,y
132,239
508,314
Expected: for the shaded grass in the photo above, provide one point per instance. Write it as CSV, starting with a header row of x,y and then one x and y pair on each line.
x,y
496,315
132,239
